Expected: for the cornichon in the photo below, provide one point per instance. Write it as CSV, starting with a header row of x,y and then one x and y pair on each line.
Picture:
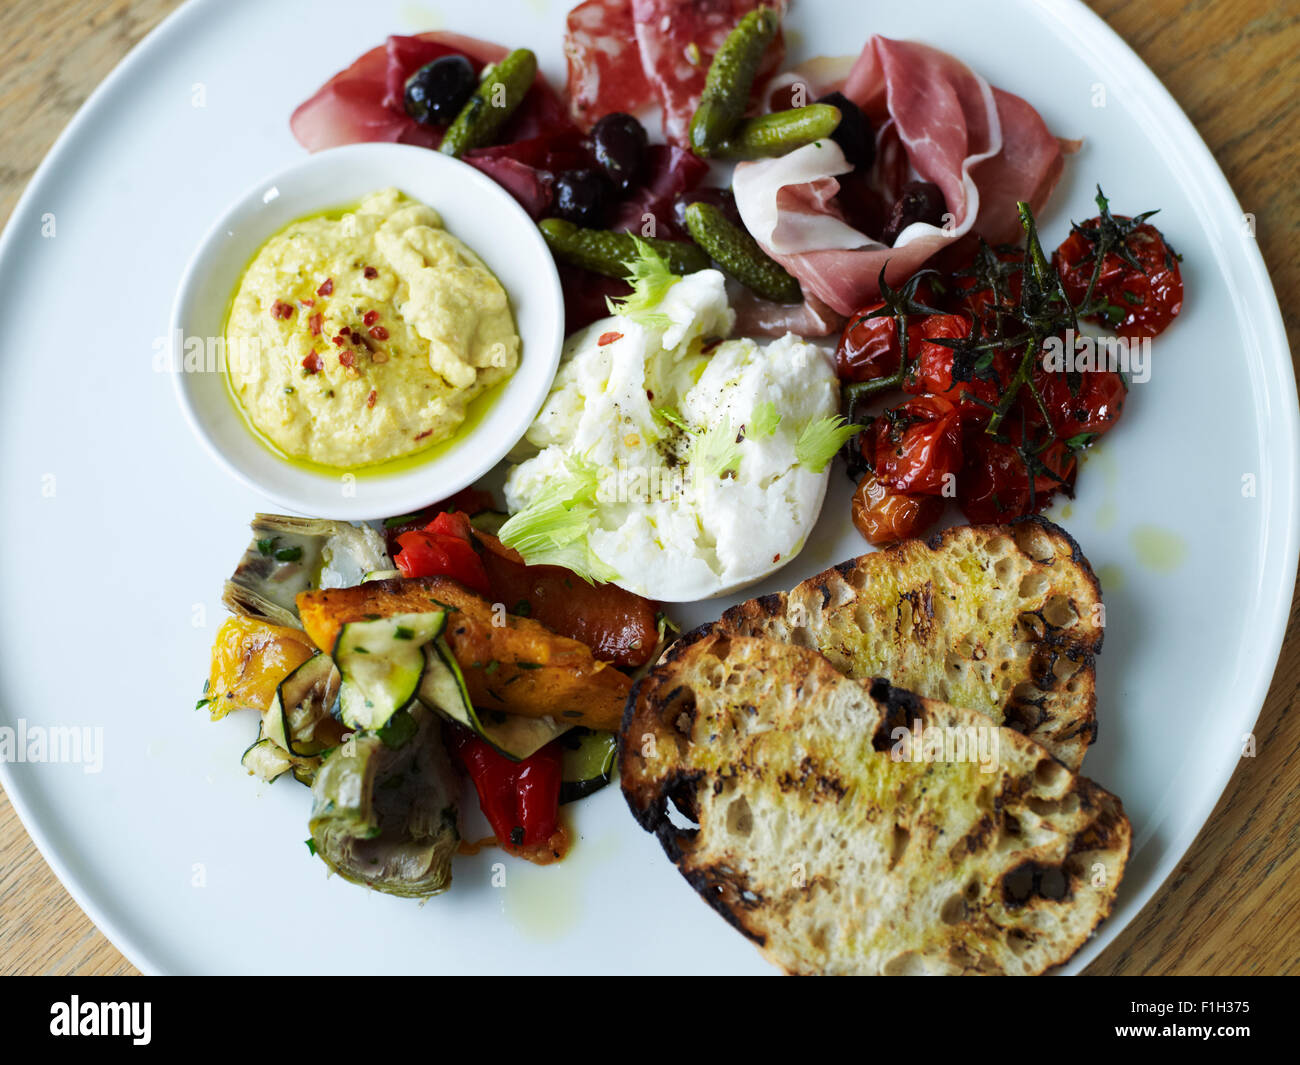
x,y
502,89
606,252
739,254
780,132
731,75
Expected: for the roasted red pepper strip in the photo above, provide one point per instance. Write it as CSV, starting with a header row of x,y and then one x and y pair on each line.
x,y
521,800
470,500
619,626
443,548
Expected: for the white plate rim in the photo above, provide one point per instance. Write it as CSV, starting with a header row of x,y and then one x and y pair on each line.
x,y
1283,422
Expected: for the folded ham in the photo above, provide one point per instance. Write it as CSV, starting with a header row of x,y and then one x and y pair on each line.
x,y
984,148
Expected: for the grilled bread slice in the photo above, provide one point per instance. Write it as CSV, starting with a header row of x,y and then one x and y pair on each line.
x,y
834,856
1004,619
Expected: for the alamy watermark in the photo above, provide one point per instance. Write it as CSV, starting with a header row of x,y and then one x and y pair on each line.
x,y
68,744
1080,353
179,353
941,743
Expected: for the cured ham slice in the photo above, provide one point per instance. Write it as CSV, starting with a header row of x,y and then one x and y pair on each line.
x,y
984,148
678,40
605,72
364,102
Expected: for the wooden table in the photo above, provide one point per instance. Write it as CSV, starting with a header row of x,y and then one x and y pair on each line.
x,y
1233,905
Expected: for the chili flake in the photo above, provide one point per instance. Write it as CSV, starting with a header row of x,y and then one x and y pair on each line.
x,y
312,363
348,359
379,333
370,399
608,338
370,317
371,273
281,310
314,323
326,287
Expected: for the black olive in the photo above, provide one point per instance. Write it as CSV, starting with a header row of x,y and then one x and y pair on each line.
x,y
854,135
619,143
437,91
581,197
921,201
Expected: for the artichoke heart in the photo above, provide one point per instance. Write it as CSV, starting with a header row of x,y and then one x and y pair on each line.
x,y
289,555
386,816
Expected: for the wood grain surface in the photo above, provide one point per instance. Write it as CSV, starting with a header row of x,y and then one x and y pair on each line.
x,y
1233,905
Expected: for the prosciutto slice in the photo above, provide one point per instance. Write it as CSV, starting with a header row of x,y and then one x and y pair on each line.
x,y
364,102
983,147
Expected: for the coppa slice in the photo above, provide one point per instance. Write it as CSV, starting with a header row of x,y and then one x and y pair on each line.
x,y
509,663
1003,619
837,857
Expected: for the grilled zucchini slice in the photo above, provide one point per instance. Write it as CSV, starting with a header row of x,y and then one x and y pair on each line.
x,y
382,662
443,688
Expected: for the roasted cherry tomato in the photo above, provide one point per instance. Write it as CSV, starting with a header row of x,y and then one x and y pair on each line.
x,y
868,347
944,371
882,515
1140,301
521,800
443,548
1088,402
917,446
977,295
994,485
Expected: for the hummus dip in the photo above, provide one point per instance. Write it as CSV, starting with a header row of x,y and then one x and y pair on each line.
x,y
363,337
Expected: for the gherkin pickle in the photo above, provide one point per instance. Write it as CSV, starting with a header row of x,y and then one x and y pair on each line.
x,y
780,132
739,255
501,91
605,252
731,76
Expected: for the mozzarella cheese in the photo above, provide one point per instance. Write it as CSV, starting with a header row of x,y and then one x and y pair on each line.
x,y
638,399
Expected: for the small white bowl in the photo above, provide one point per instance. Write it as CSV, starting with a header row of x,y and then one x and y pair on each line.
x,y
473,208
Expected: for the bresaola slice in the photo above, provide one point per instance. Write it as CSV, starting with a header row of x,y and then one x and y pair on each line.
x,y
669,172
984,148
364,102
349,108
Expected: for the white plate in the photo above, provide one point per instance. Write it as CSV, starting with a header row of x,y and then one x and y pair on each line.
x,y
118,530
